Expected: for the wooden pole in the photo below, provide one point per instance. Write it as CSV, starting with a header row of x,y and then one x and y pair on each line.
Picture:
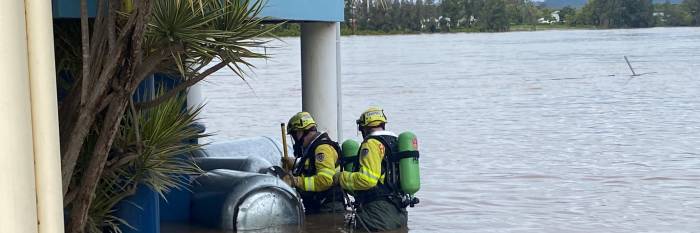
x,y
284,147
287,167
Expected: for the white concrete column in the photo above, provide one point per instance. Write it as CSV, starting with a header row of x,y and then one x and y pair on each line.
x,y
339,81
194,96
47,152
319,76
18,212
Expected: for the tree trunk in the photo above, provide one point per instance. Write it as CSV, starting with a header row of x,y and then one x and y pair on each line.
x,y
74,144
102,61
91,175
112,77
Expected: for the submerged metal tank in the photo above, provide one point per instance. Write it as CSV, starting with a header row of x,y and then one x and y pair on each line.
x,y
240,191
264,148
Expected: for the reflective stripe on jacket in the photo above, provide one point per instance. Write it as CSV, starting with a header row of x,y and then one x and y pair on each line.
x,y
326,157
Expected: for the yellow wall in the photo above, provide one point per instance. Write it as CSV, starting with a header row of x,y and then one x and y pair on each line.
x,y
42,83
28,120
17,188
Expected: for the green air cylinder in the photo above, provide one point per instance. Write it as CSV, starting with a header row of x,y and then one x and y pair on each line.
x,y
408,164
350,149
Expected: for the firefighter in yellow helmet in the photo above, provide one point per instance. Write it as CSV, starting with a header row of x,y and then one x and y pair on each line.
x,y
315,164
375,183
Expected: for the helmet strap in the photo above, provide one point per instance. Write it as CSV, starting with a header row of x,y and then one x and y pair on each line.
x,y
300,141
297,146
303,136
359,129
297,150
364,131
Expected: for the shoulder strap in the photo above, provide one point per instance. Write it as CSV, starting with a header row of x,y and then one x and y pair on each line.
x,y
310,154
390,187
389,142
320,140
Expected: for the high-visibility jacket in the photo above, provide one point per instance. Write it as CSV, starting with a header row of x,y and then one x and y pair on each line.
x,y
325,159
372,153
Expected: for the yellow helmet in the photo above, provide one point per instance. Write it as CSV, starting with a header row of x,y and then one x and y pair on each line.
x,y
372,117
300,121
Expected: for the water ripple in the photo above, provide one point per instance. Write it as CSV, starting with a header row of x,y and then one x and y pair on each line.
x,y
520,132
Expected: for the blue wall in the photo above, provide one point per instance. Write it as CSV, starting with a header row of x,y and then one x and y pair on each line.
x,y
141,211
305,10
71,8
292,10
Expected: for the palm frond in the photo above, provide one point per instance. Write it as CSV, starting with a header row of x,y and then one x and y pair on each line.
x,y
162,164
222,30
164,130
150,147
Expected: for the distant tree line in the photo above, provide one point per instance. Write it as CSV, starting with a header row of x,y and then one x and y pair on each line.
x,y
617,13
500,15
637,13
430,15
685,14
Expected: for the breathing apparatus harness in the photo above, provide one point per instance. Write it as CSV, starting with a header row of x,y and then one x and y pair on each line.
x,y
309,154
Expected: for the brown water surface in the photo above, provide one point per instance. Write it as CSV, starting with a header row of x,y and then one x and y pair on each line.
x,y
519,132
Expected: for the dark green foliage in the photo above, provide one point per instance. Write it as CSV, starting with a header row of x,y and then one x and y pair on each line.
x,y
493,17
567,14
579,3
618,13
692,7
668,14
417,16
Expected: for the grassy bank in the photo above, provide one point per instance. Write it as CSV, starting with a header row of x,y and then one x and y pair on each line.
x,y
293,30
544,27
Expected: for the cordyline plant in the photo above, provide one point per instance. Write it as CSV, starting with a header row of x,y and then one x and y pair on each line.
x,y
152,150
126,42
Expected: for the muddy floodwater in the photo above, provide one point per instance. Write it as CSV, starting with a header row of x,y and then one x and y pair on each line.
x,y
519,132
